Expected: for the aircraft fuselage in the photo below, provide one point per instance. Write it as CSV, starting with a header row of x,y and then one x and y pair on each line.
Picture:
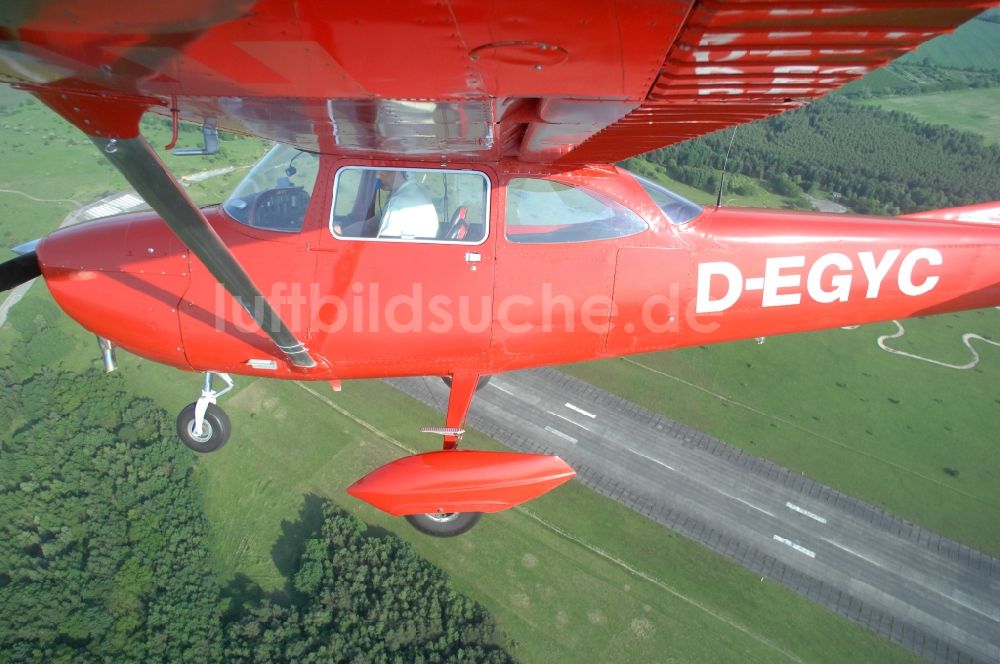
x,y
524,292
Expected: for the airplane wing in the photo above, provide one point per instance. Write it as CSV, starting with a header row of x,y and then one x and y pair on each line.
x,y
571,81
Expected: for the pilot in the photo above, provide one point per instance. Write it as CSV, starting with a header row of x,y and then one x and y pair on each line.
x,y
409,212
401,209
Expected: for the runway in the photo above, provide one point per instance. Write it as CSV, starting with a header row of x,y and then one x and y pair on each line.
x,y
929,594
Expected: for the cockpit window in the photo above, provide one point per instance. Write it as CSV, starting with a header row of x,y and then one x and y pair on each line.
x,y
275,194
678,209
543,211
410,205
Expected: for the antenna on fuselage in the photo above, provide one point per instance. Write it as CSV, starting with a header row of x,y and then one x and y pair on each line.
x,y
722,176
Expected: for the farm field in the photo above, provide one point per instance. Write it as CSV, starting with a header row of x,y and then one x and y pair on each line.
x,y
974,45
975,110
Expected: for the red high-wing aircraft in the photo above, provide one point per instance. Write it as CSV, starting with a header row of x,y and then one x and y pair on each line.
x,y
439,201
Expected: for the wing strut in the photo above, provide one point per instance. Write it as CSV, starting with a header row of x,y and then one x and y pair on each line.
x,y
112,123
141,166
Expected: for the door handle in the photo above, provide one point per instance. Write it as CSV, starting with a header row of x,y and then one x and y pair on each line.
x,y
472,257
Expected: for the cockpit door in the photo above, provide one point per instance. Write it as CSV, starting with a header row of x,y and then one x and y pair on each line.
x,y
405,276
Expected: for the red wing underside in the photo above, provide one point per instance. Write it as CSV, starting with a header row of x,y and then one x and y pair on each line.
x,y
581,81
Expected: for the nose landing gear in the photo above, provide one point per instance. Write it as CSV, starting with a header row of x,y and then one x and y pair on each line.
x,y
202,425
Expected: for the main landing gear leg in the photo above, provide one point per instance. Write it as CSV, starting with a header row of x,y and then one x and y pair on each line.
x,y
202,425
463,388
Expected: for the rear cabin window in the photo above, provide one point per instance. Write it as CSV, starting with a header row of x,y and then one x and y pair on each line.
x,y
275,193
410,205
543,211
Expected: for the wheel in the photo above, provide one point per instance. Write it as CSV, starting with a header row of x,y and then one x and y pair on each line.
x,y
214,431
483,381
444,525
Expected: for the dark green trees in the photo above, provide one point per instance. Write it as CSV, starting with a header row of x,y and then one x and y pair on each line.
x,y
102,536
366,598
104,557
879,162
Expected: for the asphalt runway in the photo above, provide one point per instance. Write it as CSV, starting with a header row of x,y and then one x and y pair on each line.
x,y
929,594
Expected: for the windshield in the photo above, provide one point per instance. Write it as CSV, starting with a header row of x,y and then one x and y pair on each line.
x,y
678,209
276,192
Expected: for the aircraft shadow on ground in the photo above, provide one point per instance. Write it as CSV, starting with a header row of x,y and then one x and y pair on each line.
x,y
242,592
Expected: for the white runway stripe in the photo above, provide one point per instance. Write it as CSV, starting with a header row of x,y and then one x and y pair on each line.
x,y
581,411
564,436
804,512
798,547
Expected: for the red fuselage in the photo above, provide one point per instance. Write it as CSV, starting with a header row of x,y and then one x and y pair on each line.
x,y
374,309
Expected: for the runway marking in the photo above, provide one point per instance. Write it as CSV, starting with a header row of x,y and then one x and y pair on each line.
x,y
804,512
933,590
564,436
656,461
580,410
563,417
740,500
798,547
810,432
115,205
504,390
853,552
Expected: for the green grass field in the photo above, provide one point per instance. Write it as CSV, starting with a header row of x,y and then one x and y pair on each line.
x,y
914,438
977,110
574,577
760,196
47,159
974,45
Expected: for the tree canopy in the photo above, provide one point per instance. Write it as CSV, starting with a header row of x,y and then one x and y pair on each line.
x,y
879,162
104,553
366,599
102,536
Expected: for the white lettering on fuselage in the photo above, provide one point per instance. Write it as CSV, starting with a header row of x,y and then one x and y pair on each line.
x,y
827,280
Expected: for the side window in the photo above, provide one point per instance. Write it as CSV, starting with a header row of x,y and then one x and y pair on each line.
x,y
410,205
543,211
677,209
275,194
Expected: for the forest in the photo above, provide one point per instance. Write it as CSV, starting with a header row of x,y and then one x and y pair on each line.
x,y
875,161
104,553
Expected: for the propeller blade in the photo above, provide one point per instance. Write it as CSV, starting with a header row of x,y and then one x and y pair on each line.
x,y
18,270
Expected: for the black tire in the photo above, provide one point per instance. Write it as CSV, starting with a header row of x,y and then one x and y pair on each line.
x,y
444,525
216,429
483,381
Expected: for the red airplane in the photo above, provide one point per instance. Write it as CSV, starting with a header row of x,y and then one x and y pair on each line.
x,y
440,202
